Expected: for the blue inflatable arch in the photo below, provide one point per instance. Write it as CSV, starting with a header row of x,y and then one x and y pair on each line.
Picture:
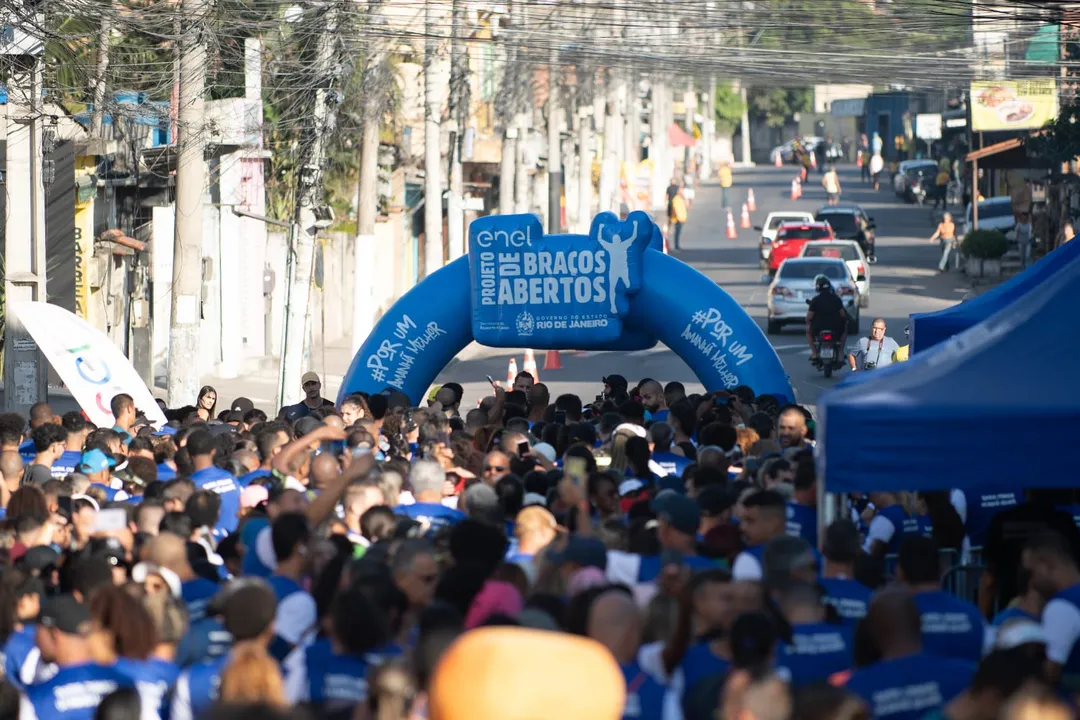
x,y
658,298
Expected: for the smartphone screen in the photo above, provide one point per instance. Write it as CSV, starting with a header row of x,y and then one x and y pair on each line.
x,y
575,469
523,449
111,519
64,506
491,380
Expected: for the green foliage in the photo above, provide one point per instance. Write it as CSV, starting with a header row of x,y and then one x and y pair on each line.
x,y
985,244
777,106
1059,140
729,108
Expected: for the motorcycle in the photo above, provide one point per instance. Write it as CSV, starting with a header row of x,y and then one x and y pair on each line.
x,y
829,352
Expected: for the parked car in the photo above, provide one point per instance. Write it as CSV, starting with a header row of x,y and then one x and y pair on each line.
x,y
790,238
794,285
995,213
849,222
901,178
851,253
772,223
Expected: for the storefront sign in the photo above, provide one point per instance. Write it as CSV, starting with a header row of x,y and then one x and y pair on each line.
x,y
928,126
1013,104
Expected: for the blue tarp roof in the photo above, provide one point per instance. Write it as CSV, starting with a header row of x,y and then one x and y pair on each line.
x,y
928,329
997,406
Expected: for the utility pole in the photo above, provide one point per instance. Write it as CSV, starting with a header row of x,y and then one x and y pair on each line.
x,y
455,211
183,370
554,147
584,188
433,246
310,212
708,131
97,118
367,191
505,114
26,379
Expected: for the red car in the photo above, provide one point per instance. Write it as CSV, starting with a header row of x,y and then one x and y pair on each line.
x,y
791,237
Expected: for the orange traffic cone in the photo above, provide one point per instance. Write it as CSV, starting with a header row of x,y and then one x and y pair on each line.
x,y
813,160
731,233
794,189
552,361
779,162
750,202
858,160
744,220
529,365
511,374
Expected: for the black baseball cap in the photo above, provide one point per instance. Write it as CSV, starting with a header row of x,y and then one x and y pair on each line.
x,y
66,614
242,405
678,511
715,499
40,557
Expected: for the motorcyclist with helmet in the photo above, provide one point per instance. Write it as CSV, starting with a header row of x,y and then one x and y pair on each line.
x,y
826,312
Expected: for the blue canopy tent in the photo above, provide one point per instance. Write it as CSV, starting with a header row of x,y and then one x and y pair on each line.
x,y
928,329
967,412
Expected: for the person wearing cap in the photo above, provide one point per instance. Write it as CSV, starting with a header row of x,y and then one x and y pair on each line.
x,y
202,448
678,519
847,595
764,517
906,682
535,528
80,684
247,609
313,399
951,627
97,465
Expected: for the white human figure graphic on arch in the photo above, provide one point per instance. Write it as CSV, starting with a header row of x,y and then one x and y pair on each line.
x,y
618,264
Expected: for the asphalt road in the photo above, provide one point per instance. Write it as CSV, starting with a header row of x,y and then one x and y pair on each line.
x,y
904,281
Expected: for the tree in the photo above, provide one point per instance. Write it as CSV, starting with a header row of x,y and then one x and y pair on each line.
x,y
776,106
1059,139
729,108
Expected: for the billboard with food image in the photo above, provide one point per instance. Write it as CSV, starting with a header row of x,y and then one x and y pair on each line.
x,y
1013,104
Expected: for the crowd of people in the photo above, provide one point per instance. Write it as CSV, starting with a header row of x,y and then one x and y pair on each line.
x,y
652,554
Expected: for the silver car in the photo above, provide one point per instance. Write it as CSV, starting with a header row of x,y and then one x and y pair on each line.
x,y
793,286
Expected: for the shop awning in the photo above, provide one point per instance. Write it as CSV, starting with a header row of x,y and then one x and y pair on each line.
x,y
677,137
994,149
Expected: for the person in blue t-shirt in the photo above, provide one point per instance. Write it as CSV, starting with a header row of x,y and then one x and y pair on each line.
x,y
1028,605
848,596
951,627
202,448
653,400
166,568
80,684
817,649
155,674
661,438
1054,573
977,509
427,479
764,518
906,683
891,524
248,611
297,616
802,510
77,430
615,622
332,672
40,413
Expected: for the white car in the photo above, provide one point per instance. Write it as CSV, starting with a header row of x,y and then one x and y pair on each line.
x,y
995,213
851,253
772,224
794,285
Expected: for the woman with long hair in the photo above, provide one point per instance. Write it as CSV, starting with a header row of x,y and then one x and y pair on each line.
x,y
207,403
157,672
252,676
121,626
20,604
